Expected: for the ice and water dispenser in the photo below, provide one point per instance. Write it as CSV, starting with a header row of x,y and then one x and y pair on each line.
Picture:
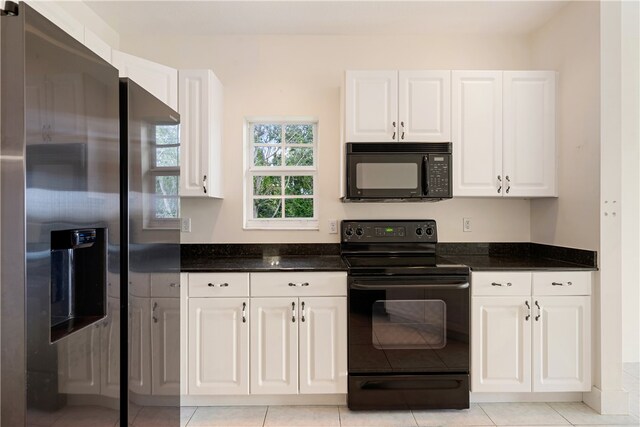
x,y
78,293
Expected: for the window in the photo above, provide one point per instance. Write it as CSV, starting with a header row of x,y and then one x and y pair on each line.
x,y
163,207
282,172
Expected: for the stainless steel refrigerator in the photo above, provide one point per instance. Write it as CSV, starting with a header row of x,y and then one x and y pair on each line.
x,y
84,232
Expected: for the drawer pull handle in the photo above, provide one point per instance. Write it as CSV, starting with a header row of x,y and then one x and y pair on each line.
x,y
302,317
539,311
529,309
244,312
222,285
500,284
293,312
299,284
174,285
560,284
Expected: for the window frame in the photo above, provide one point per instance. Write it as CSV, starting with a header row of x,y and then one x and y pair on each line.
x,y
153,171
250,171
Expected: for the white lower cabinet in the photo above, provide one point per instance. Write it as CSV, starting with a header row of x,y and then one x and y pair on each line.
x,y
323,341
79,362
165,346
110,351
218,346
274,345
139,345
539,341
562,343
501,344
241,344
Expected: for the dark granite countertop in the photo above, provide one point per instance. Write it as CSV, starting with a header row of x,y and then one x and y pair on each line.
x,y
326,257
269,263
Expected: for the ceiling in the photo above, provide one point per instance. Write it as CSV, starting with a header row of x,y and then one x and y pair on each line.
x,y
324,17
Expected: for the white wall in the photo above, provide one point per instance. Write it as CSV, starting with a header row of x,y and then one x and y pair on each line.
x,y
570,44
630,197
302,75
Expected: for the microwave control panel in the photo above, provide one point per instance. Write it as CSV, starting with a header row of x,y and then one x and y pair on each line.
x,y
438,175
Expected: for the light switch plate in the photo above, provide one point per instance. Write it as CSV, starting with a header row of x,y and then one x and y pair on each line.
x,y
185,225
466,224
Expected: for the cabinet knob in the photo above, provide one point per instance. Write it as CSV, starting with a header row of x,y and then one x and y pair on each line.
x,y
500,284
393,137
508,184
402,125
204,184
561,284
499,184
528,316
539,311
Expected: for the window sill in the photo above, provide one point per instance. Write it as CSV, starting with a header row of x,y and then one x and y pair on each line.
x,y
278,225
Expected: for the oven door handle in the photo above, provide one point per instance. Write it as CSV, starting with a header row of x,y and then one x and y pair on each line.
x,y
377,287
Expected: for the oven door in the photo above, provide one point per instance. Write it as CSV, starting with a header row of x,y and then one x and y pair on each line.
x,y
408,325
385,176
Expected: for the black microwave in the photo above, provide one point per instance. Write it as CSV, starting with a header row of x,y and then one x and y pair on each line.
x,y
398,171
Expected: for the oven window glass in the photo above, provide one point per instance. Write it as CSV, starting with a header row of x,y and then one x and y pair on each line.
x,y
409,324
386,176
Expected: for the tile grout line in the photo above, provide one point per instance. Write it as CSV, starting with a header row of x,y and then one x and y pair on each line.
x,y
488,416
339,416
414,418
558,412
264,421
191,416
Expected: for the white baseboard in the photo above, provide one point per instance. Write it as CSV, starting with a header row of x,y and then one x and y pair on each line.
x,y
525,397
283,399
612,402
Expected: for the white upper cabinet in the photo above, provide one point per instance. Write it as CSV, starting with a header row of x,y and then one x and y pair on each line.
x,y
424,106
60,17
503,133
372,106
405,106
529,162
477,132
200,108
161,81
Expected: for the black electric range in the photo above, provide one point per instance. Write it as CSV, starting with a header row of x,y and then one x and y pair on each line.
x,y
408,320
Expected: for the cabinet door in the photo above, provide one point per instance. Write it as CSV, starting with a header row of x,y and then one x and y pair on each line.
x,y
529,162
218,346
139,345
371,106
274,345
110,351
79,362
323,345
55,13
200,108
562,343
161,81
501,343
424,106
477,133
165,346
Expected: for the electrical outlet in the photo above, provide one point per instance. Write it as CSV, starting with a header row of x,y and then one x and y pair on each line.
x,y
333,226
466,224
185,225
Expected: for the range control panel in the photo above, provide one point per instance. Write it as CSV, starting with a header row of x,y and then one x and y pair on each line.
x,y
376,231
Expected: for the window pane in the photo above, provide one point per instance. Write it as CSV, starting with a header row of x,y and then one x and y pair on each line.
x,y
298,185
167,185
167,207
267,156
267,208
167,134
298,208
298,134
267,134
167,156
267,185
299,156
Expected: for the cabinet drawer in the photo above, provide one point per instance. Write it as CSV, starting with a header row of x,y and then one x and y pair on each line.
x,y
562,283
501,283
218,284
165,285
298,284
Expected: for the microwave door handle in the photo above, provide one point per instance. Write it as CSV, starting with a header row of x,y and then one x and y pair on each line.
x,y
425,175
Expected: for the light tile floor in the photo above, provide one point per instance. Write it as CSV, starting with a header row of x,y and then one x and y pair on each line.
x,y
483,414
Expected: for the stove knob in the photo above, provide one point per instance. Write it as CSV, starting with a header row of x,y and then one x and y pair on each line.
x,y
359,231
349,232
429,231
419,231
